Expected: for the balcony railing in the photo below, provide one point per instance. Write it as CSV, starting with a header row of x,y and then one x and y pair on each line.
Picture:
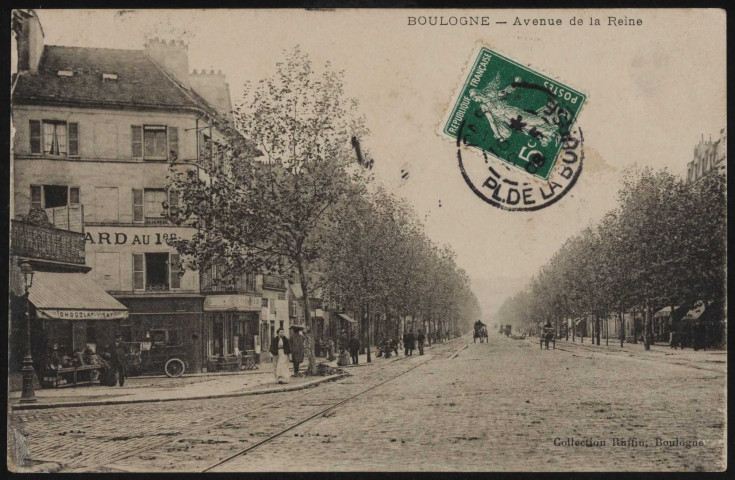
x,y
47,243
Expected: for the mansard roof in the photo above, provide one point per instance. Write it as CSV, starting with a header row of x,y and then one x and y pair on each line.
x,y
140,83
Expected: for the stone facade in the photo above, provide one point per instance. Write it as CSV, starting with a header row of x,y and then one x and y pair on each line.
x,y
708,156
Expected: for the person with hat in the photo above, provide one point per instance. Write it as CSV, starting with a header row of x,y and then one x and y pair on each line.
x,y
118,353
354,346
297,347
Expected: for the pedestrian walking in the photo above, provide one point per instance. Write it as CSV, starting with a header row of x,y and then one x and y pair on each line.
x,y
330,350
354,349
297,348
408,343
420,341
343,341
281,349
118,352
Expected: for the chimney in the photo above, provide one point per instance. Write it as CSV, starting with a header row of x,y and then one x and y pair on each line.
x,y
214,89
173,57
29,40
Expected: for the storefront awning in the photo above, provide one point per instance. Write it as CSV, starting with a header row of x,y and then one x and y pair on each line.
x,y
73,296
346,317
232,303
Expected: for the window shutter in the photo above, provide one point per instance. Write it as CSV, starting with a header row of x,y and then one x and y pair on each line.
x,y
138,271
35,126
173,143
73,139
175,269
136,136
36,196
138,205
173,201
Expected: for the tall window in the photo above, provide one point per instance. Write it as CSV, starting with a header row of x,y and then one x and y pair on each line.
x,y
54,137
156,271
155,142
54,196
154,199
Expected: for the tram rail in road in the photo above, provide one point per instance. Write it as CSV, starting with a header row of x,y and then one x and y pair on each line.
x,y
310,417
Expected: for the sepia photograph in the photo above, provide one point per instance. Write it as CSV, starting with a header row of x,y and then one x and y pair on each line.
x,y
367,240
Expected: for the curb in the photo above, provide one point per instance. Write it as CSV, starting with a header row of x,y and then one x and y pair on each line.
x,y
92,403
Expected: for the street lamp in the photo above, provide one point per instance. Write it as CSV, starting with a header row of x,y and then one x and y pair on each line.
x,y
28,395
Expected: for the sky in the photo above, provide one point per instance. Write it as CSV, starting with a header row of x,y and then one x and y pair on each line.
x,y
652,91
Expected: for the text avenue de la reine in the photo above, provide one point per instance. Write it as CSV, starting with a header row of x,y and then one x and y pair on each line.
x,y
471,21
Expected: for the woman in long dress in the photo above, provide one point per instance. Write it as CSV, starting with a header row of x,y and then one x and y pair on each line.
x,y
281,349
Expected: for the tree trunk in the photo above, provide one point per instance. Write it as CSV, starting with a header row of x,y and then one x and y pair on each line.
x,y
607,330
622,328
635,333
369,358
648,326
307,315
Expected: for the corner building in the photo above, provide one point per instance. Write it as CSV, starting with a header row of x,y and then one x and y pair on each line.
x,y
96,131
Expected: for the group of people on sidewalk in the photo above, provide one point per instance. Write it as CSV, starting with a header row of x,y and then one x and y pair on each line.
x,y
412,342
289,352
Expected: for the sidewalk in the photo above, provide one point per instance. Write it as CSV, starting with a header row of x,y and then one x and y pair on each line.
x,y
162,389
188,387
715,360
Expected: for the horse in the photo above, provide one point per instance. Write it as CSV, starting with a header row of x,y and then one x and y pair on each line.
x,y
481,333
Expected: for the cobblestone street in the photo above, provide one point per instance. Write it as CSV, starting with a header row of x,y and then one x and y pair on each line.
x,y
502,406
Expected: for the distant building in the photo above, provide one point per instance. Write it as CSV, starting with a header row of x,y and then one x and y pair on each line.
x,y
708,156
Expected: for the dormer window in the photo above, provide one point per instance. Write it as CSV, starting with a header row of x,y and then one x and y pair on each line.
x,y
109,76
66,73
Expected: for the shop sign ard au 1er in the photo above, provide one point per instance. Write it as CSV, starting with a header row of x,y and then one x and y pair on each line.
x,y
121,238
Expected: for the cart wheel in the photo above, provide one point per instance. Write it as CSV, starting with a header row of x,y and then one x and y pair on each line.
x,y
174,368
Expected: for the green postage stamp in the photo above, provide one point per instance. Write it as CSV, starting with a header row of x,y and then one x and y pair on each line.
x,y
512,113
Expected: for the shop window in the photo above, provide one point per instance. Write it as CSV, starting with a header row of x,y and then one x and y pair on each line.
x,y
91,334
53,137
126,331
60,333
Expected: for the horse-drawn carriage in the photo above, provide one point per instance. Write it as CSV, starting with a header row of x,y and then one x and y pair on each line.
x,y
548,335
480,332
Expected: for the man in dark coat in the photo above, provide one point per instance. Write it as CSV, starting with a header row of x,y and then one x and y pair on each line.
x,y
118,352
354,345
408,340
421,338
297,348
